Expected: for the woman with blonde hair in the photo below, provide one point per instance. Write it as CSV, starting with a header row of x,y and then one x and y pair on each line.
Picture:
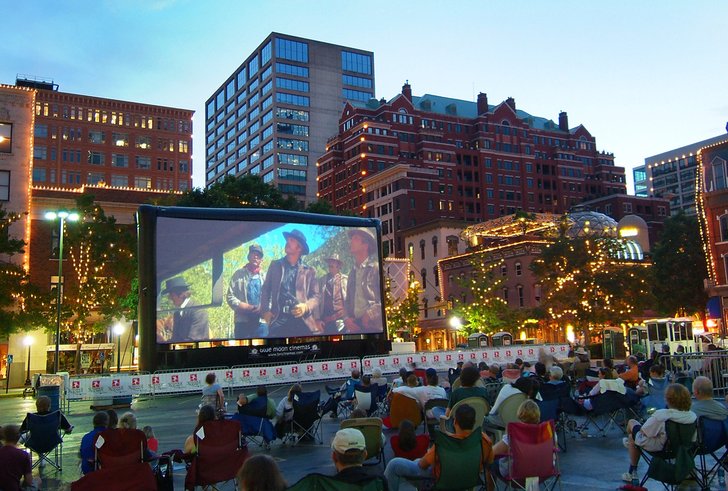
x,y
529,413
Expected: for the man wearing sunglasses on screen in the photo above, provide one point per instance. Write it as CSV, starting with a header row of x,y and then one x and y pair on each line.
x,y
363,290
290,294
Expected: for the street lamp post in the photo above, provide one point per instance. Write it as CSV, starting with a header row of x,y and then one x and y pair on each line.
x,y
28,340
62,216
118,330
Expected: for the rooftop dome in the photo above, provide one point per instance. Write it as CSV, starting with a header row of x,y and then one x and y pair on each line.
x,y
591,223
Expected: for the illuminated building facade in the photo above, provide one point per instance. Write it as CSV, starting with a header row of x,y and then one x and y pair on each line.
x,y
671,175
274,113
712,210
453,159
84,140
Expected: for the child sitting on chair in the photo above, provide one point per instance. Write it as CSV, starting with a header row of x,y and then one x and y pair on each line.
x,y
528,412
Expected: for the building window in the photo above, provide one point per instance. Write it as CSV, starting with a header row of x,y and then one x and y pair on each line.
x,y
715,175
143,182
356,81
434,246
410,250
120,139
297,71
518,269
452,245
95,178
355,62
96,158
290,84
293,99
422,250
519,290
144,142
291,50
504,270
119,181
144,163
98,137
6,137
505,295
40,152
436,276
40,131
119,160
423,273
723,220
627,207
39,174
4,185
356,95
424,306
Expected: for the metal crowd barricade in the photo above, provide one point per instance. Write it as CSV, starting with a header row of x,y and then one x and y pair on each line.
x,y
711,364
104,386
175,382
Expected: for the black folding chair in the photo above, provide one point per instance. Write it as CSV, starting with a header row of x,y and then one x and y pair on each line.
x,y
45,436
306,422
675,462
712,439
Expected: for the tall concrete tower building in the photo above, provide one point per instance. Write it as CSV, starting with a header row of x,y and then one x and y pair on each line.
x,y
273,115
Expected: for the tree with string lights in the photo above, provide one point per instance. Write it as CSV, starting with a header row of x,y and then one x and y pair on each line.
x,y
402,314
486,311
587,284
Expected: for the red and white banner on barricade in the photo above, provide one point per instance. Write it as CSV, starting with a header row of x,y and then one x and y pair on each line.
x,y
442,360
313,371
85,388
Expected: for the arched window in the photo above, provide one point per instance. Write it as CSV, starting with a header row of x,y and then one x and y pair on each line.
x,y
424,306
424,277
518,269
505,295
452,245
422,249
436,276
504,270
434,246
410,250
411,277
715,175
723,220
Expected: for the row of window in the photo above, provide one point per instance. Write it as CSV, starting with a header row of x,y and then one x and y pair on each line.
x,y
112,117
117,139
41,175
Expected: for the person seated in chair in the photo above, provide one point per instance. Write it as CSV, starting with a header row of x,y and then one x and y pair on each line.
x,y
704,405
346,391
86,451
524,385
632,375
43,407
399,469
207,413
469,377
349,451
16,463
651,391
652,435
258,404
528,412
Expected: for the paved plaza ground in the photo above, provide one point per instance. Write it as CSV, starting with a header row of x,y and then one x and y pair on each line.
x,y
589,463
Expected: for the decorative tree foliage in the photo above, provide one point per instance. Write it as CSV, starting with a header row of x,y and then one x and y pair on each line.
x,y
402,316
586,285
17,297
680,268
487,311
248,191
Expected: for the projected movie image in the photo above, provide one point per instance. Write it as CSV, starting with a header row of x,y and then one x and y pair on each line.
x,y
220,280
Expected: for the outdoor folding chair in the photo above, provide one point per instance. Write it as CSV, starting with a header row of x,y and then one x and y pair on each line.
x,y
492,390
507,413
255,429
219,454
306,422
461,461
532,456
402,407
655,399
381,400
320,482
550,412
712,438
344,403
45,436
431,423
133,477
365,400
608,409
675,462
119,448
371,428
480,406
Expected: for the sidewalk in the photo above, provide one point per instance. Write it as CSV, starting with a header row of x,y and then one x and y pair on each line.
x,y
589,463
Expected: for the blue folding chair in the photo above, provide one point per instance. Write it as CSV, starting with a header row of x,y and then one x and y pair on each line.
x,y
712,439
45,436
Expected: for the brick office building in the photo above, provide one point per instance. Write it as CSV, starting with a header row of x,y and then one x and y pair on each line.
x,y
81,139
448,158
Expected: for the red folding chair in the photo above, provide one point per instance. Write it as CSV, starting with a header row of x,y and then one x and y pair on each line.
x,y
219,456
532,455
120,447
131,477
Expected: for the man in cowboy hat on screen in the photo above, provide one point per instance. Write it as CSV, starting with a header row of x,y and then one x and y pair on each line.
x,y
333,293
363,290
243,296
290,294
187,324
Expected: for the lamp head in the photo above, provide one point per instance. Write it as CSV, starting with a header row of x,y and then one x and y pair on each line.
x,y
118,329
28,340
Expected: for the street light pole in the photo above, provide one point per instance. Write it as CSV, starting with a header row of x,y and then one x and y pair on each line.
x,y
62,216
28,340
118,330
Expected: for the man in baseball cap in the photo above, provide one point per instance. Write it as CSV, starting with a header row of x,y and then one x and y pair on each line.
x,y
349,451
